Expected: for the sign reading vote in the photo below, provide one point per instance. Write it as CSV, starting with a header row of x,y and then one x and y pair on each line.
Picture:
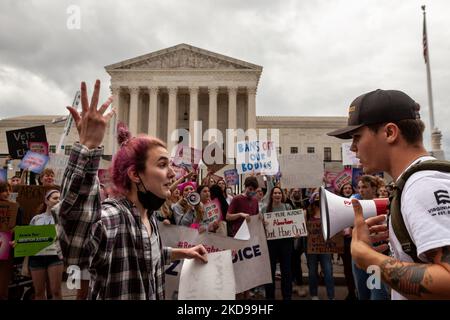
x,y
34,162
285,224
18,140
257,156
35,240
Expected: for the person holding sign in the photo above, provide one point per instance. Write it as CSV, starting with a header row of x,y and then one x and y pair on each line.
x,y
279,249
48,267
313,259
118,239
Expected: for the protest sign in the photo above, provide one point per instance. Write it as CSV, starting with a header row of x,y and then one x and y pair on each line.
x,y
39,147
8,212
30,198
208,281
317,244
34,162
243,232
58,162
231,177
349,157
187,155
18,140
250,258
257,156
335,180
35,240
285,224
301,170
213,212
5,247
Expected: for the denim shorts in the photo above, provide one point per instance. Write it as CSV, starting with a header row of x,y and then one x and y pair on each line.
x,y
43,262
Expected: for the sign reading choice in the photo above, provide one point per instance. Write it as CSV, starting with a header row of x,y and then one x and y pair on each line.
x,y
257,156
285,224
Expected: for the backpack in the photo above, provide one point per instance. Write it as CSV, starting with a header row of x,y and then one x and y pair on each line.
x,y
395,215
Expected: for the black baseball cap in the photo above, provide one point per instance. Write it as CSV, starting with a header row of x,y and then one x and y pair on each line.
x,y
378,106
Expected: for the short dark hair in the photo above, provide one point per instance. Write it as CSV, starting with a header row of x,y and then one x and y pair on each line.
x,y
410,129
251,182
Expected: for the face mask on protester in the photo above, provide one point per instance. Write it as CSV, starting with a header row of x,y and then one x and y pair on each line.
x,y
251,194
149,200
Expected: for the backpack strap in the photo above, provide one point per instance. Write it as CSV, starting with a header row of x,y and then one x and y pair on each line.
x,y
398,223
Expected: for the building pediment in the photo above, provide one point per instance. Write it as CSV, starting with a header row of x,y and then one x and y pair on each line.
x,y
183,56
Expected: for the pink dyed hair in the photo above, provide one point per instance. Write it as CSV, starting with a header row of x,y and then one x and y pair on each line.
x,y
132,153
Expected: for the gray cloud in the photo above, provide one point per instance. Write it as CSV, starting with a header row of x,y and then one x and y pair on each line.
x,y
317,55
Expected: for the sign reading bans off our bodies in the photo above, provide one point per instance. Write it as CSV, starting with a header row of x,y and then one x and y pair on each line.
x,y
257,156
285,224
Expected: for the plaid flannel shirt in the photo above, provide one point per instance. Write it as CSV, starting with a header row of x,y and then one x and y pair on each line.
x,y
107,238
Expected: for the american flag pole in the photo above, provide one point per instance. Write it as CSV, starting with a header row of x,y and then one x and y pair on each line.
x,y
426,56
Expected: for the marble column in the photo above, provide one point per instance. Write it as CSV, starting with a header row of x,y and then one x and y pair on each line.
x,y
193,112
251,108
232,110
171,117
153,111
212,123
133,124
115,92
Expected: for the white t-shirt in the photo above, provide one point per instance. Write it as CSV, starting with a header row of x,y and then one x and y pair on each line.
x,y
425,206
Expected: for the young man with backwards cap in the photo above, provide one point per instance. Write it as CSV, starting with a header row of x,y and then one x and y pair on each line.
x,y
387,136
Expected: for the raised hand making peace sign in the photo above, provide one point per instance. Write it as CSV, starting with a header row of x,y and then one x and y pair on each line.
x,y
91,123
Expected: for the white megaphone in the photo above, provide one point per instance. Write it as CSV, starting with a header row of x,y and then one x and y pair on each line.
x,y
193,198
336,213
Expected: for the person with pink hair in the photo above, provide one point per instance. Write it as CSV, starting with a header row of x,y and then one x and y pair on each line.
x,y
117,240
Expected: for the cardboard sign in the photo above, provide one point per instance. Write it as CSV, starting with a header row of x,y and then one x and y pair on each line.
x,y
349,157
231,177
208,281
18,140
8,212
34,162
257,156
301,170
285,224
39,147
5,247
30,198
317,244
250,258
58,162
35,240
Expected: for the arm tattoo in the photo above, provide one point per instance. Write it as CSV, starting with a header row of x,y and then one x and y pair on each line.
x,y
407,279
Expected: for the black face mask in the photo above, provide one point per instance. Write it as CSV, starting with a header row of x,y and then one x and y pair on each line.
x,y
149,200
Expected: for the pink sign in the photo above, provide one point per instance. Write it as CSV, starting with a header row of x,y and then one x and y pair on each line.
x,y
5,247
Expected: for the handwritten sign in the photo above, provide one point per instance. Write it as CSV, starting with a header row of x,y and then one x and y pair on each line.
x,y
18,140
231,177
257,156
34,162
285,224
8,212
250,258
29,198
5,247
208,281
35,240
301,170
317,244
213,212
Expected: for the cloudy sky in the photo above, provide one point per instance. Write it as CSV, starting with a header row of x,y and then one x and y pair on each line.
x,y
317,55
